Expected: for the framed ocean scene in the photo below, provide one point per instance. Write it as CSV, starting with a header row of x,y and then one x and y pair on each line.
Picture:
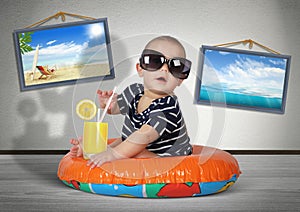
x,y
242,79
63,54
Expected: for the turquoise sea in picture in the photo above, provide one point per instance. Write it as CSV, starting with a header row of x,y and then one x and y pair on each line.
x,y
239,99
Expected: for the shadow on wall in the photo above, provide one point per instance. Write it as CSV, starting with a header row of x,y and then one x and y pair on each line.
x,y
47,120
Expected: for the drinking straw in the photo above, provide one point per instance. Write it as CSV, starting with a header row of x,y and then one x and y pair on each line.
x,y
107,104
98,115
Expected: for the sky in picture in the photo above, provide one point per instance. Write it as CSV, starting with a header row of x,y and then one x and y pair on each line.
x,y
68,46
246,74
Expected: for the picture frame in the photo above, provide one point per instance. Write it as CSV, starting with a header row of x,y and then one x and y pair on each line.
x,y
242,79
63,54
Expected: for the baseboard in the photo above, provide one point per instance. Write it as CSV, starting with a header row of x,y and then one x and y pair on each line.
x,y
264,152
33,152
234,152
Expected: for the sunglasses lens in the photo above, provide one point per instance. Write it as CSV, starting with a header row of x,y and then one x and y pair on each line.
x,y
180,67
151,62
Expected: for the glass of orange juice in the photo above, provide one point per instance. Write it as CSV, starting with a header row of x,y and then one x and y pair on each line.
x,y
95,136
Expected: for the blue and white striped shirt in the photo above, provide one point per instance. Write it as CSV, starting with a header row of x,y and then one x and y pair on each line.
x,y
163,114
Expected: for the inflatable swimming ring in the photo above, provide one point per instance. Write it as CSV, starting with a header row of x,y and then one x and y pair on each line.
x,y
207,171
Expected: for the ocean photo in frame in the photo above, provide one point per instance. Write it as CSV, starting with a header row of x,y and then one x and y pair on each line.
x,y
242,79
63,54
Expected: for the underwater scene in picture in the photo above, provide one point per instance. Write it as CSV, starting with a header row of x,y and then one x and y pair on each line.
x,y
243,79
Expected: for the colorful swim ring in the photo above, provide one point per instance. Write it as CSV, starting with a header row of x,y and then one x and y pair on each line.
x,y
207,171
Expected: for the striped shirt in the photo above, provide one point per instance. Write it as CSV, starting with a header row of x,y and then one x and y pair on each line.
x,y
163,114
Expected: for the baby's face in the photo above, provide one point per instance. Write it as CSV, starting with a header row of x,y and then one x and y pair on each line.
x,y
162,81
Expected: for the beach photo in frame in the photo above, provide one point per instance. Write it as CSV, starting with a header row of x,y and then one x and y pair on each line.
x,y
242,79
63,54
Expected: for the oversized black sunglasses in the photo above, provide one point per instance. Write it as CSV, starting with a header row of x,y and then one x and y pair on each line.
x,y
151,60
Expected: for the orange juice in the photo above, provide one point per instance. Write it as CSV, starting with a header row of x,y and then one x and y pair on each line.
x,y
94,138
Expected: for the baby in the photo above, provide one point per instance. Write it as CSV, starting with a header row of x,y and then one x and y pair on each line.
x,y
154,125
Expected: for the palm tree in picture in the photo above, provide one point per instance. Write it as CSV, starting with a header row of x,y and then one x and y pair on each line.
x,y
24,40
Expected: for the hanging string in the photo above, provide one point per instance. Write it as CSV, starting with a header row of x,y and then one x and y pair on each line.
x,y
56,16
250,42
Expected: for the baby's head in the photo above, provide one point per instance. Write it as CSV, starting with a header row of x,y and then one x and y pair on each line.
x,y
163,64
167,45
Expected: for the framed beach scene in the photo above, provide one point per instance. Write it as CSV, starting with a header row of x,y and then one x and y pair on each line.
x,y
63,54
242,79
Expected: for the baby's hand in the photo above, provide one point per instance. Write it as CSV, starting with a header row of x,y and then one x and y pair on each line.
x,y
103,98
76,150
98,159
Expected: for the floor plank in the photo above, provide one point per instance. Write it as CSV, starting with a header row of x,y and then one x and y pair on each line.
x,y
268,183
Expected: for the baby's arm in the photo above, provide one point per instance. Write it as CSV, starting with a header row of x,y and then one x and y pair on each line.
x,y
115,142
103,98
136,143
133,146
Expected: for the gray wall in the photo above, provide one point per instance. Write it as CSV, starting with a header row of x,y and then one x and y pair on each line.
x,y
43,119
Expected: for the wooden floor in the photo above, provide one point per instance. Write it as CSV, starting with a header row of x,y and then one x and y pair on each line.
x,y
268,183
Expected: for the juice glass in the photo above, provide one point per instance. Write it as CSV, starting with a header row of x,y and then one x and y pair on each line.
x,y
94,138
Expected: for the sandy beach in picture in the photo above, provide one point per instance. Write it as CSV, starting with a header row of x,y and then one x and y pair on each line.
x,y
73,72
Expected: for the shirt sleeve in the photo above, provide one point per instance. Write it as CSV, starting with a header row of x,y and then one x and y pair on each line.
x,y
165,116
126,97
